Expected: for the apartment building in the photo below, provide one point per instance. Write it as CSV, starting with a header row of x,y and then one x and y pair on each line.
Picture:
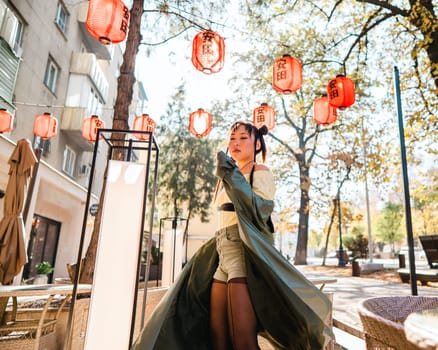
x,y
50,63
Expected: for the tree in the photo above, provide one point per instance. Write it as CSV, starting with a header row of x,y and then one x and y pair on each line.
x,y
186,165
419,14
389,224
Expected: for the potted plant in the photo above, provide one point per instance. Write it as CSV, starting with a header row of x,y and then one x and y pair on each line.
x,y
43,269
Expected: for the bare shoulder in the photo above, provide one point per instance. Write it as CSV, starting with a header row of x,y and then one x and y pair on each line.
x,y
260,167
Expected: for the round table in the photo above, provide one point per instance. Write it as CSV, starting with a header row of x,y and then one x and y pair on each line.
x,y
421,329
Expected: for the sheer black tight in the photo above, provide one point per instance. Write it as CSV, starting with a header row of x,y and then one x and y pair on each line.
x,y
232,317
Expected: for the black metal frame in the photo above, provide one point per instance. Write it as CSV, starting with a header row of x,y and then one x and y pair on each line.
x,y
129,145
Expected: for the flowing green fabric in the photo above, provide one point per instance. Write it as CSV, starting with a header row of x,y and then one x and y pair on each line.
x,y
289,308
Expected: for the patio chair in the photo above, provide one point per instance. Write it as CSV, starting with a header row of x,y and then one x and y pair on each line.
x,y
382,320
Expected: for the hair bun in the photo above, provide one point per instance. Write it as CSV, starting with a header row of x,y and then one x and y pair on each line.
x,y
263,130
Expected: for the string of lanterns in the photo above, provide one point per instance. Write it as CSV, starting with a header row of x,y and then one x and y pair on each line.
x,y
108,22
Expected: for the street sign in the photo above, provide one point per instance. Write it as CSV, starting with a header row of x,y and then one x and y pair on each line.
x,y
93,209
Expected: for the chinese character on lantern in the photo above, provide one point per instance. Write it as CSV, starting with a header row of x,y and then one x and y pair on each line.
x,y
286,74
264,115
144,123
90,126
208,51
341,92
107,20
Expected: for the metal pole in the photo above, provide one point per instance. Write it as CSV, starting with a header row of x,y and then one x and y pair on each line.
x,y
341,261
367,198
410,236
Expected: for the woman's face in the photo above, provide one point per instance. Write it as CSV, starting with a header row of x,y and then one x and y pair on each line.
x,y
241,145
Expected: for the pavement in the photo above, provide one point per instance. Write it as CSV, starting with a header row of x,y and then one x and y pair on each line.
x,y
349,291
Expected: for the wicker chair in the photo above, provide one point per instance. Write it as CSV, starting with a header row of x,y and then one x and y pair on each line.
x,y
382,319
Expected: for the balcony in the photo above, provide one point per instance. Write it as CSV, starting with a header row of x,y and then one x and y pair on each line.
x,y
83,63
71,125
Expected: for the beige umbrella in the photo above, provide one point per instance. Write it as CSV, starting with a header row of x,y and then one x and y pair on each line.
x,y
12,249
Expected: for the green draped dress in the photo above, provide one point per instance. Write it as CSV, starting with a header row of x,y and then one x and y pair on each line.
x,y
290,309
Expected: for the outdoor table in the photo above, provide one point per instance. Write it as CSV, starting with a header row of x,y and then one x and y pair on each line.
x,y
322,281
36,326
421,329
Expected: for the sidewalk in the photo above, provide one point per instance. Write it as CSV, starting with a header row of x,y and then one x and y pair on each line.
x,y
349,291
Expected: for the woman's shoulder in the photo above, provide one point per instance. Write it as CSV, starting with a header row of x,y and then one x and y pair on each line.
x,y
261,167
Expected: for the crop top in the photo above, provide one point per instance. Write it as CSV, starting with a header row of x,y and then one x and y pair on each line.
x,y
263,185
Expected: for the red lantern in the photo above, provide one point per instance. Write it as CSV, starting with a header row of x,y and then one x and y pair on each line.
x,y
341,92
6,120
208,51
107,20
287,75
200,123
45,126
144,123
264,115
323,112
90,126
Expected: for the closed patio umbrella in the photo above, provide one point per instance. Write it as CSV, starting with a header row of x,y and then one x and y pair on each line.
x,y
12,249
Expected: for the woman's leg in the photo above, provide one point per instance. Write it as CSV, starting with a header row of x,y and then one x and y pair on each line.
x,y
242,320
218,315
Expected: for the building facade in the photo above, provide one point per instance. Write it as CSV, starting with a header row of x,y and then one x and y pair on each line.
x,y
49,63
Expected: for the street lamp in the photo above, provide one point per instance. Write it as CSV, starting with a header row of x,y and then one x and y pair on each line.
x,y
337,201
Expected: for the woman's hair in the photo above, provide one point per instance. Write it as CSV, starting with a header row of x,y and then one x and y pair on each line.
x,y
258,135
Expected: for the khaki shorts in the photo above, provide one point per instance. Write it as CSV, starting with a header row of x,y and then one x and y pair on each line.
x,y
231,254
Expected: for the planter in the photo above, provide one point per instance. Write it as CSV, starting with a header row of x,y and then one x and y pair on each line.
x,y
41,279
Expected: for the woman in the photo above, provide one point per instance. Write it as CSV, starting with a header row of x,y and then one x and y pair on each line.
x,y
232,316
215,304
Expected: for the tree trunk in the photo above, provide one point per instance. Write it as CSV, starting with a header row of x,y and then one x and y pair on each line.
x,y
303,225
125,88
332,219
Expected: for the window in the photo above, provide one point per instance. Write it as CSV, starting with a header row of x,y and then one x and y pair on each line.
x,y
51,75
18,36
95,103
61,17
68,163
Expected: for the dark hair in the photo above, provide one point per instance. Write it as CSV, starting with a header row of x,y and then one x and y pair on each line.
x,y
258,135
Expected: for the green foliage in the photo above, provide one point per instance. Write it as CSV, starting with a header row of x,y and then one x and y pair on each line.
x,y
44,268
186,166
357,244
389,224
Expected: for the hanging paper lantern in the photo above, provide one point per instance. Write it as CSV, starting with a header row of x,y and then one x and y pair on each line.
x,y
45,126
200,123
287,74
108,20
323,112
90,126
208,51
341,92
264,115
6,120
144,123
